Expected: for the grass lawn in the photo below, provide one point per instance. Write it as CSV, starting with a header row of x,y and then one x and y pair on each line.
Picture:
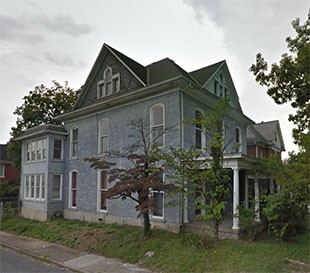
x,y
172,252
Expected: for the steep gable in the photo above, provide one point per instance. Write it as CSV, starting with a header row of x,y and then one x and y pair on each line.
x,y
125,73
271,132
217,80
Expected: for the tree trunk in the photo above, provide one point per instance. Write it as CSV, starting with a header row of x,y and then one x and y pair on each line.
x,y
146,224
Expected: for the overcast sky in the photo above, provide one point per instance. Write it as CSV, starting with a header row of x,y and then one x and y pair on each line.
x,y
47,40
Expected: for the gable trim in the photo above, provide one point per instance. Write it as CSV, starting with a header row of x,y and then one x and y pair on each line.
x,y
211,77
120,60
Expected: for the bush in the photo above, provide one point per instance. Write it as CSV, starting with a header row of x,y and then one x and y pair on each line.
x,y
247,222
285,214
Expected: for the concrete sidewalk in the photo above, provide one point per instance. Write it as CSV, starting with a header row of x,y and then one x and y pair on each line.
x,y
66,257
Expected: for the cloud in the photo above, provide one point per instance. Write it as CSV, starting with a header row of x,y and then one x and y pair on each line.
x,y
251,26
58,60
34,28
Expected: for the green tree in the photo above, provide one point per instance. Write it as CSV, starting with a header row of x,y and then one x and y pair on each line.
x,y
139,179
204,178
289,81
39,107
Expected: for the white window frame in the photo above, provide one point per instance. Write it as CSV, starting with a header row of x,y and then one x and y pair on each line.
x,y
71,189
164,198
61,149
34,187
152,126
74,143
35,150
101,136
60,186
203,136
101,85
163,204
99,190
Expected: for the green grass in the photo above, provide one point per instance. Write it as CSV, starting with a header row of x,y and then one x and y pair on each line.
x,y
172,252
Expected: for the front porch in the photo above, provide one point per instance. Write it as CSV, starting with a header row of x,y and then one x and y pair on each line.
x,y
245,188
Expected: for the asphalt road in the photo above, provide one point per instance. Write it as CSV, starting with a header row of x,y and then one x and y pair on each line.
x,y
11,261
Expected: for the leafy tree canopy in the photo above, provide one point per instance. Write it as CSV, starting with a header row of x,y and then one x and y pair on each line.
x,y
40,107
289,81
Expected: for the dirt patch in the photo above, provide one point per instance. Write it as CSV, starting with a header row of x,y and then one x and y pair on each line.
x,y
87,237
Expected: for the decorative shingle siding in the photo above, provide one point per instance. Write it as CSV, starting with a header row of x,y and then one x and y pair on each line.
x,y
128,81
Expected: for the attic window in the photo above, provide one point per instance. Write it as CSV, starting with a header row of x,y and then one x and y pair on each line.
x,y
109,85
275,137
220,87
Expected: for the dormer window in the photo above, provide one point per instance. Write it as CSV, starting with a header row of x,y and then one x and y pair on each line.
x,y
109,84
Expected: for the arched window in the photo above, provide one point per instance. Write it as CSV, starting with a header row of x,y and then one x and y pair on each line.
x,y
199,137
108,81
103,136
157,124
109,84
73,186
238,141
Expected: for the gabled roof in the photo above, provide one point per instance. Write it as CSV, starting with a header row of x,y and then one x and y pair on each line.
x,y
166,69
138,69
268,129
202,75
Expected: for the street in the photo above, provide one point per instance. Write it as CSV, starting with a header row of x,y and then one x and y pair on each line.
x,y
11,261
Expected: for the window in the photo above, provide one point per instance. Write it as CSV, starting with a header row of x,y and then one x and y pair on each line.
x,y
57,149
57,187
103,136
215,87
157,125
158,198
109,84
199,136
103,187
2,170
35,150
73,190
34,187
238,140
74,142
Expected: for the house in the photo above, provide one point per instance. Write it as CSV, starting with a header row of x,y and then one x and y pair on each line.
x,y
56,180
6,170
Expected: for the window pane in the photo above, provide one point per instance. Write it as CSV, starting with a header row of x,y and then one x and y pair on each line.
x,y
43,148
39,149
158,136
198,140
104,144
42,187
32,187
104,127
103,202
28,151
159,204
104,181
56,187
57,149
74,134
158,115
74,180
33,150
37,187
73,203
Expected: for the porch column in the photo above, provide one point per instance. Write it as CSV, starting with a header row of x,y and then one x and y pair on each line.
x,y
246,191
236,199
256,193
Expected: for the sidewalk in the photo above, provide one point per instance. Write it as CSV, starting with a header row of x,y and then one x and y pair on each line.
x,y
66,257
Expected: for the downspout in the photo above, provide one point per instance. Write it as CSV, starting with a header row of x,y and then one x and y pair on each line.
x,y
181,207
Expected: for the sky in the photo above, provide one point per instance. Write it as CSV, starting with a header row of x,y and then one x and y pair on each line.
x,y
46,40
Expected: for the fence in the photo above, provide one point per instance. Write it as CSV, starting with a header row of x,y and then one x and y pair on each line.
x,y
9,206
